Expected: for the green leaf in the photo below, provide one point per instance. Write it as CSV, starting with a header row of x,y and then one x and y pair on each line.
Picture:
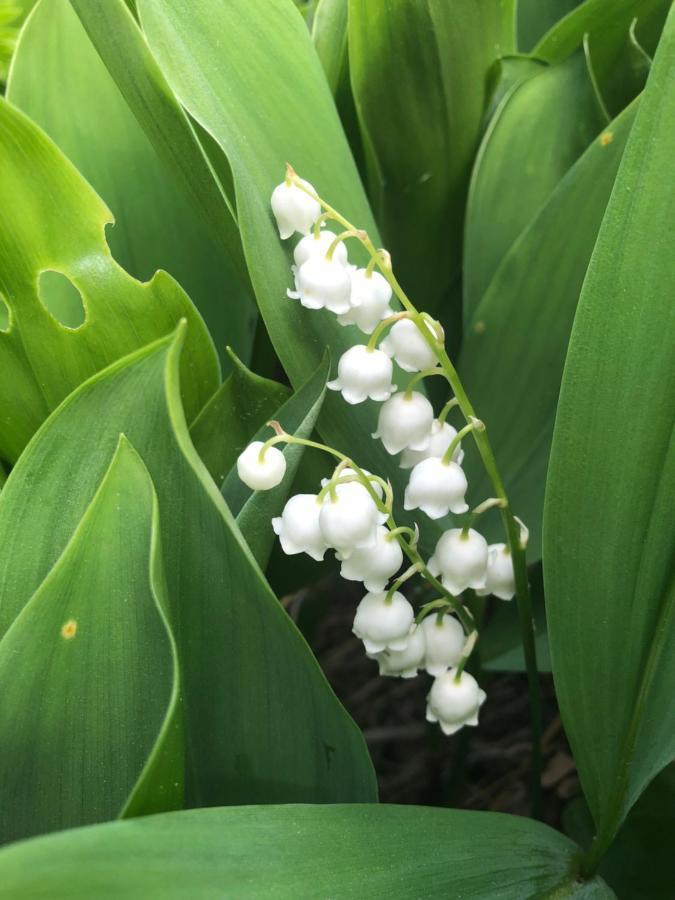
x,y
639,864
286,113
514,350
53,220
239,408
547,121
438,56
98,683
535,17
609,544
254,510
156,227
261,720
289,852
329,34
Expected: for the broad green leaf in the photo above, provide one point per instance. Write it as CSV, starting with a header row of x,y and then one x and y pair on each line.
x,y
514,349
52,220
207,51
88,669
536,17
606,22
120,43
419,75
329,34
639,865
540,129
261,721
292,852
242,403
156,227
609,543
254,510
9,30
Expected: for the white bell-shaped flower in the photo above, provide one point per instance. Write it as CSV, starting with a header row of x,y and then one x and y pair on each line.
x,y
369,301
405,422
349,519
298,527
461,559
347,473
375,565
437,488
318,245
261,474
454,704
293,209
403,663
322,284
500,579
383,625
405,344
440,437
445,639
363,374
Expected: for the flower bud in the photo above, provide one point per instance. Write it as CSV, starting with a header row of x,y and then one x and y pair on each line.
x,y
383,625
261,475
403,663
405,422
364,373
298,527
500,579
322,283
436,488
369,301
454,703
461,560
375,565
293,209
440,437
318,245
349,519
445,639
407,346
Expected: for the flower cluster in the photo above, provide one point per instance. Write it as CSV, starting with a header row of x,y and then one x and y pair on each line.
x,y
352,512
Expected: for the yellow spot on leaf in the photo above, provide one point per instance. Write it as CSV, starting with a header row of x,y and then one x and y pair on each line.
x,y
606,138
479,327
69,629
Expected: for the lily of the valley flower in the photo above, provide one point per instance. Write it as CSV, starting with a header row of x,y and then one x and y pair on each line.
x,y
318,245
405,422
440,437
348,519
445,639
454,703
437,488
461,559
407,346
323,283
370,298
375,565
293,209
298,527
364,373
499,578
261,474
403,663
383,623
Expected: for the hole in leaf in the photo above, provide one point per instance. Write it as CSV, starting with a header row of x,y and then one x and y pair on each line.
x,y
5,315
61,299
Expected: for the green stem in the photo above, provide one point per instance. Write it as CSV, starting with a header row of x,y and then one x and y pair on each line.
x,y
415,380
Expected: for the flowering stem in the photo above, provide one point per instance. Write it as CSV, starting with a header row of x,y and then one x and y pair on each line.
x,y
381,327
457,440
425,373
443,414
511,526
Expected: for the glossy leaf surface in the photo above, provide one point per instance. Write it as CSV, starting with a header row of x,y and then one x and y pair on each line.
x,y
295,852
88,670
53,220
611,481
